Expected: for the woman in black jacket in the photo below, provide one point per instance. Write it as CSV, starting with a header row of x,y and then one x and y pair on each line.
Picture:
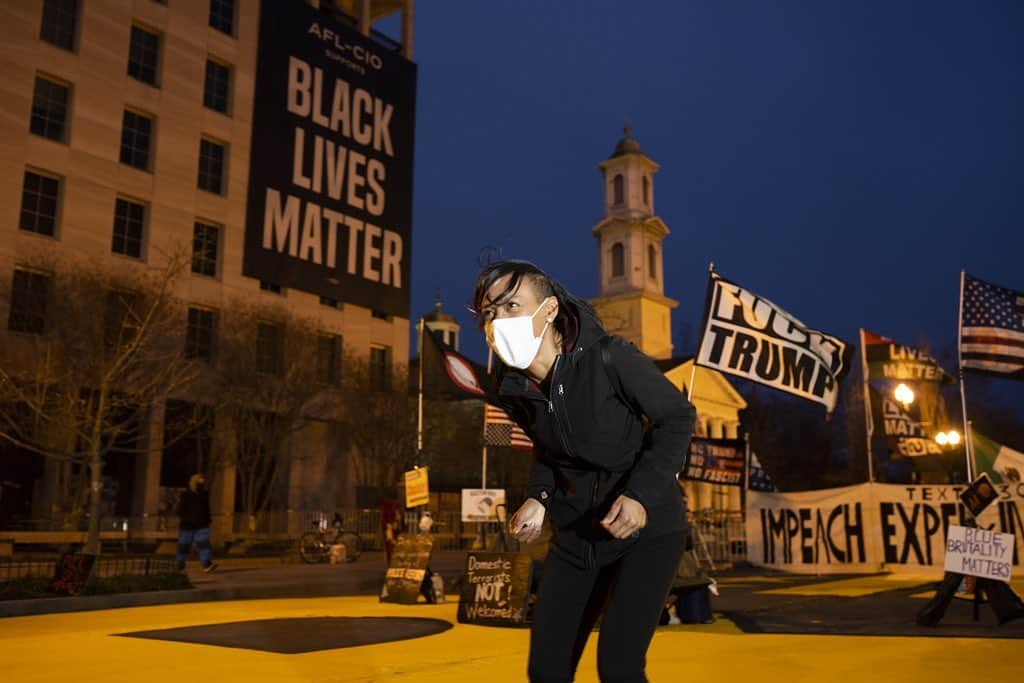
x,y
610,433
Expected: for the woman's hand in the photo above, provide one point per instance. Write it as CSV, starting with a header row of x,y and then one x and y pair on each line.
x,y
525,526
625,518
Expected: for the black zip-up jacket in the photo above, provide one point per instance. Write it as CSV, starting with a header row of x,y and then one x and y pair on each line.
x,y
591,443
194,510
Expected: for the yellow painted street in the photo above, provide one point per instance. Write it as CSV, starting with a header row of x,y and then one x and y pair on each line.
x,y
87,646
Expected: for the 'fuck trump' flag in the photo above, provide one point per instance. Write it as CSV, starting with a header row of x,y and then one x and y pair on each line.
x,y
748,336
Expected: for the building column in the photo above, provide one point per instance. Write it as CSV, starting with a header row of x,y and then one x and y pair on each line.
x,y
146,501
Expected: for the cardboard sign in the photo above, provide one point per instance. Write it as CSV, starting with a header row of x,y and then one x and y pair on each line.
x,y
495,589
979,494
481,505
408,566
417,487
979,552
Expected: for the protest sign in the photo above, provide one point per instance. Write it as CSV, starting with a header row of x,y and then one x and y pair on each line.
x,y
979,552
408,566
481,505
495,589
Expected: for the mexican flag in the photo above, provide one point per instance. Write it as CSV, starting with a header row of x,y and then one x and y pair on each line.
x,y
1002,463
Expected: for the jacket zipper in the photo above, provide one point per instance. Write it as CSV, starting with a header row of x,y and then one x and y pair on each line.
x,y
592,546
591,555
562,437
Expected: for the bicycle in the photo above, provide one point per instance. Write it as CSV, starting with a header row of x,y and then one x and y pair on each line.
x,y
315,545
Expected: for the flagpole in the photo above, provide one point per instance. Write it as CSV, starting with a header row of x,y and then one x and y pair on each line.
x,y
968,441
419,398
693,372
869,425
483,455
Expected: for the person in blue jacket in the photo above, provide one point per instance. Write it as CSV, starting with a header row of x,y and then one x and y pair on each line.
x,y
610,434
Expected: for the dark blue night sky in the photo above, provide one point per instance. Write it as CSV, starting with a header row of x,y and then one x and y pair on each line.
x,y
844,159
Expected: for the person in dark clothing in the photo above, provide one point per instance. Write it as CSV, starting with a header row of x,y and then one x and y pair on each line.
x,y
610,434
194,523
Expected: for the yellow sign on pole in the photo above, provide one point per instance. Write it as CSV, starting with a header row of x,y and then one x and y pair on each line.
x,y
417,487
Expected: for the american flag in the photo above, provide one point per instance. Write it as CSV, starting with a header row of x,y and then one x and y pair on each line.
x,y
499,430
992,329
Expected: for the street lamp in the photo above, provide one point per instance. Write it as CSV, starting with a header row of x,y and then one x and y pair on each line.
x,y
903,394
950,438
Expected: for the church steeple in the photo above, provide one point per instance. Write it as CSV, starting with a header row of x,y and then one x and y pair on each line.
x,y
439,322
629,236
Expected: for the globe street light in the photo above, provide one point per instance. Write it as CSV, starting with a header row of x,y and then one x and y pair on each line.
x,y
942,438
903,394
953,436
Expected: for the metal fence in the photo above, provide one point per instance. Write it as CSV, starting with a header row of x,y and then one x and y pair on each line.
x,y
722,534
105,566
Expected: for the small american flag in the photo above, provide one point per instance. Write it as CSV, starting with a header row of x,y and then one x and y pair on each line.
x,y
499,430
992,329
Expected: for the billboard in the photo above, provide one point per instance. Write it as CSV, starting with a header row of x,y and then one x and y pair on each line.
x,y
329,209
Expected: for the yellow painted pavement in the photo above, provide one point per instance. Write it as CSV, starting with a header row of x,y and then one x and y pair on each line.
x,y
81,646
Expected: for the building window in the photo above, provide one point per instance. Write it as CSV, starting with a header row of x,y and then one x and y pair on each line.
x,y
329,302
211,166
39,197
144,55
205,238
269,348
59,21
647,191
618,190
652,262
29,295
136,139
217,87
129,223
380,368
618,260
270,287
50,110
201,336
328,359
222,16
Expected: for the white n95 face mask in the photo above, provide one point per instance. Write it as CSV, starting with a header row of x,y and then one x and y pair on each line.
x,y
513,340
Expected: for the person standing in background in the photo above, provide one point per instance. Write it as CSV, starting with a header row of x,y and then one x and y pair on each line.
x,y
194,523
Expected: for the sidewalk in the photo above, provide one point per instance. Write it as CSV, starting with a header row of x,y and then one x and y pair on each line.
x,y
249,579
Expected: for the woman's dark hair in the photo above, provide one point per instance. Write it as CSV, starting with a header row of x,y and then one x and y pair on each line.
x,y
569,305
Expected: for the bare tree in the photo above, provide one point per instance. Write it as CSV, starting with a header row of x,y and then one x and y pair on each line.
x,y
379,420
97,348
274,373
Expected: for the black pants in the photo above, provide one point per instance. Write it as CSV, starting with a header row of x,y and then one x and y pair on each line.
x,y
631,592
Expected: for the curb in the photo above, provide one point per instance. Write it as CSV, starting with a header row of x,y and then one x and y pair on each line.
x,y
38,606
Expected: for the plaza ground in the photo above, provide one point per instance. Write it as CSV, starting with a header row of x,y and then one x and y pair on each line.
x,y
769,627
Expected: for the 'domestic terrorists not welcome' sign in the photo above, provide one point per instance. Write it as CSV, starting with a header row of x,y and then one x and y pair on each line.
x,y
330,180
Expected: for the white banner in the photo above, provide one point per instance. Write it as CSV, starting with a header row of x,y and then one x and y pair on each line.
x,y
869,527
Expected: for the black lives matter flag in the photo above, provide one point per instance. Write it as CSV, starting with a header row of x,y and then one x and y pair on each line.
x,y
991,329
903,433
750,337
888,360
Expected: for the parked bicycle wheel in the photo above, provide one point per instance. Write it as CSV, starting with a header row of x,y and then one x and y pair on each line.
x,y
353,545
312,548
